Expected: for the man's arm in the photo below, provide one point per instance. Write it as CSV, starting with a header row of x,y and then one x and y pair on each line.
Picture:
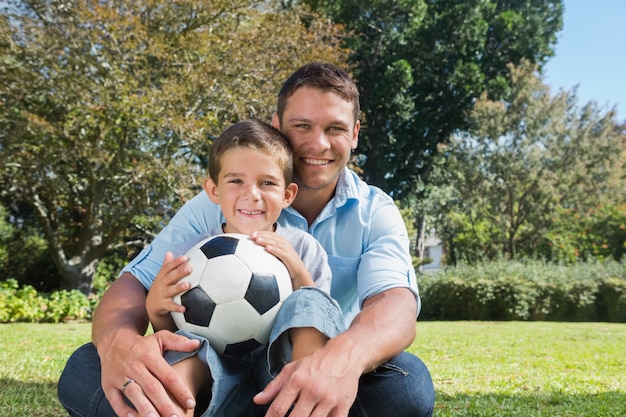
x,y
327,380
384,327
118,329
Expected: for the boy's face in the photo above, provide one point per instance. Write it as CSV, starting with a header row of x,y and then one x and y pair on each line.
x,y
251,191
322,132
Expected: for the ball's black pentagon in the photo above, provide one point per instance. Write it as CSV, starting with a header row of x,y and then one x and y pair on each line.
x,y
219,246
242,347
199,306
262,293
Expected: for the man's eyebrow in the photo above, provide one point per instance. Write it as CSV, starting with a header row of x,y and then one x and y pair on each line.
x,y
299,119
333,122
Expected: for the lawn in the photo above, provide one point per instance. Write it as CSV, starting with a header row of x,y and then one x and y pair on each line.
x,y
479,368
525,368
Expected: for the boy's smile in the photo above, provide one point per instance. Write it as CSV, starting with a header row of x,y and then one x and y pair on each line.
x,y
251,190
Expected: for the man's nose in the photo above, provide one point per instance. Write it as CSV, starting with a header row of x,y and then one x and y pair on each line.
x,y
320,140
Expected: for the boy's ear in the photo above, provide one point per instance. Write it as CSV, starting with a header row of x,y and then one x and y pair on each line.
x,y
210,188
290,194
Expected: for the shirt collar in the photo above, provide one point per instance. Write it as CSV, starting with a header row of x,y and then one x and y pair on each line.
x,y
347,188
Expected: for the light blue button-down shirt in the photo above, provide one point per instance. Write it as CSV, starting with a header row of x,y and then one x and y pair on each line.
x,y
361,229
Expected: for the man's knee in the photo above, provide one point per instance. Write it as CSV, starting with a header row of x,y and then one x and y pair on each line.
x,y
79,384
403,385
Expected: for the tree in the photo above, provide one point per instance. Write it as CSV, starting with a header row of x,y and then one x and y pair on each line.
x,y
524,160
106,107
420,64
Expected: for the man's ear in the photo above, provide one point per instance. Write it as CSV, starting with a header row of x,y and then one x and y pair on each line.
x,y
210,188
275,121
290,194
355,138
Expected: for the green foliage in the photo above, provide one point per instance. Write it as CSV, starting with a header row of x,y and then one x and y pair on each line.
x,y
107,108
526,291
598,233
24,254
535,177
420,64
25,304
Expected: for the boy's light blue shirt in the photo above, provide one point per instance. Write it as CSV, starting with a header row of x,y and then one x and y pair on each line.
x,y
361,229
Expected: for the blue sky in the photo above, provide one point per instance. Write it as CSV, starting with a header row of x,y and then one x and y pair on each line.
x,y
591,53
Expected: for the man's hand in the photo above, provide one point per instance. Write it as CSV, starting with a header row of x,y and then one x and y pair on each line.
x,y
119,323
156,386
324,383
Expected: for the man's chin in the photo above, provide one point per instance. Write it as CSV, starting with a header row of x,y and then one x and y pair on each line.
x,y
315,183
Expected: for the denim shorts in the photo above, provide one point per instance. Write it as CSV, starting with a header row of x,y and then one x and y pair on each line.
x,y
236,379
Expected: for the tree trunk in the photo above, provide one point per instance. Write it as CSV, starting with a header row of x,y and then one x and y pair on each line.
x,y
78,275
420,225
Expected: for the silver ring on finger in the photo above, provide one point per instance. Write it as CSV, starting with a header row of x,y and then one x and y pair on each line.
x,y
127,383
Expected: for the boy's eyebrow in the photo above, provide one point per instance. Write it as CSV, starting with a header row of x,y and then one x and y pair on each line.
x,y
264,176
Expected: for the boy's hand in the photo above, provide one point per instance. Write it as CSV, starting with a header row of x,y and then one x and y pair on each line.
x,y
159,302
280,247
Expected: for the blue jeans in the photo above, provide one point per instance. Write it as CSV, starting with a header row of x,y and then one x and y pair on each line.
x,y
400,387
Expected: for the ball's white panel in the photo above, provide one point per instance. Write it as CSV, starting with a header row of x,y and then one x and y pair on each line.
x,y
261,261
197,261
225,278
205,332
266,322
234,321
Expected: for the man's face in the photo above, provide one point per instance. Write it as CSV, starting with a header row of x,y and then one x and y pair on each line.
x,y
322,132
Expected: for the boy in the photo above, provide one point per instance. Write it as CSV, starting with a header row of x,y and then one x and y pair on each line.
x,y
250,170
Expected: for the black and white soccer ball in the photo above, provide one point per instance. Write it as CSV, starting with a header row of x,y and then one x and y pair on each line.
x,y
237,288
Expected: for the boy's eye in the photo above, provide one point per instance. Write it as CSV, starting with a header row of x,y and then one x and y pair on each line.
x,y
270,183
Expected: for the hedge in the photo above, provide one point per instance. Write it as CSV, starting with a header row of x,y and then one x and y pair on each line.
x,y
25,304
489,291
526,291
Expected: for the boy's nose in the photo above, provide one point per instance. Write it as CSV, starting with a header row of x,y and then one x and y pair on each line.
x,y
254,192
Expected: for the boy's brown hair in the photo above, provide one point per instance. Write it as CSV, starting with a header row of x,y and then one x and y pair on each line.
x,y
252,134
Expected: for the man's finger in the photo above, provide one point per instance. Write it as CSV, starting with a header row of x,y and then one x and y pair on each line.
x,y
119,405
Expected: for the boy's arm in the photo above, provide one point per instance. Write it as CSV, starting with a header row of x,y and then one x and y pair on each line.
x,y
159,302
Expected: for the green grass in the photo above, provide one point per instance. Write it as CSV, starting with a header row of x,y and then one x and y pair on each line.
x,y
525,368
479,368
32,357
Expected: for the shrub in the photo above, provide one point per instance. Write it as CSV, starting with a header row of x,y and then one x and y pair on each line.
x,y
24,304
526,291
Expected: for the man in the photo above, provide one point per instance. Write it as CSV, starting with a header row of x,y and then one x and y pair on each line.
x,y
362,371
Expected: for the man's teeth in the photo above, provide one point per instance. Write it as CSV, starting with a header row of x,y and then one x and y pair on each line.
x,y
316,161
